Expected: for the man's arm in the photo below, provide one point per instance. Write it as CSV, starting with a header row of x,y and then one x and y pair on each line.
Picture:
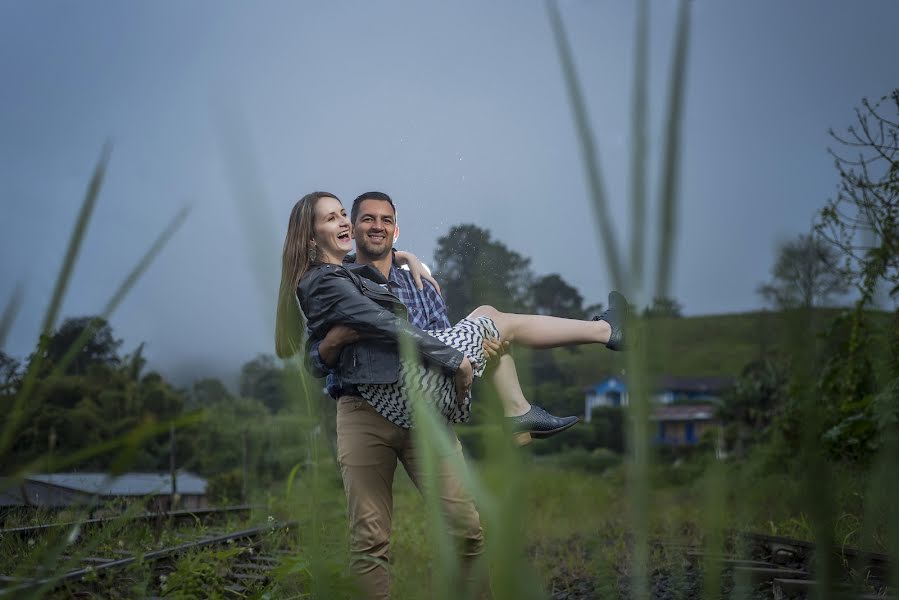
x,y
324,354
344,303
419,272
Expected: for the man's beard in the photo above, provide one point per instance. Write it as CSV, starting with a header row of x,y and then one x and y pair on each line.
x,y
369,253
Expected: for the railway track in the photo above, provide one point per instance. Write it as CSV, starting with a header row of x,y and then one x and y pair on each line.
x,y
200,515
249,567
785,568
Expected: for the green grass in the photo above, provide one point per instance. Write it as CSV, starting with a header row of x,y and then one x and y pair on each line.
x,y
712,345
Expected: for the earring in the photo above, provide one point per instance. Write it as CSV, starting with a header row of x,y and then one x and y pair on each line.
x,y
313,252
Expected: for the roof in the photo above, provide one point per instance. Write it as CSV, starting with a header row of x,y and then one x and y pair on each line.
x,y
129,484
611,384
694,384
668,383
683,412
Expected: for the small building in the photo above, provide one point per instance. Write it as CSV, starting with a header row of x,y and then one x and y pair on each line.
x,y
667,390
608,392
59,490
683,424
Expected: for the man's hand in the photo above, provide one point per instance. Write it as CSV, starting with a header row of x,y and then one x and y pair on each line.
x,y
416,269
464,378
494,348
337,337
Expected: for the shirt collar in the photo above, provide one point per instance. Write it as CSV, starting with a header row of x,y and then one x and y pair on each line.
x,y
395,277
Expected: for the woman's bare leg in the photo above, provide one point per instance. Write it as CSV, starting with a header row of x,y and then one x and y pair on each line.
x,y
504,377
540,331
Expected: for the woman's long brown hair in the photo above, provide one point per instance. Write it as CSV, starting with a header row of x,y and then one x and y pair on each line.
x,y
289,323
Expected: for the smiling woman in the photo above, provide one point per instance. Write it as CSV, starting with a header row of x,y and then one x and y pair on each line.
x,y
331,238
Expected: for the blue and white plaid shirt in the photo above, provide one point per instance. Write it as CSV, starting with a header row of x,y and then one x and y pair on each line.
x,y
426,311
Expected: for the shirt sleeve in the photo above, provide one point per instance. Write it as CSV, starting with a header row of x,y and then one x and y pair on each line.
x,y
438,318
314,363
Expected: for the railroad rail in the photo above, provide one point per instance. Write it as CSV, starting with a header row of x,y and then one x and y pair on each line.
x,y
254,568
787,565
176,516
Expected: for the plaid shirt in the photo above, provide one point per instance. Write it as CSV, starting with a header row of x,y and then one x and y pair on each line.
x,y
426,311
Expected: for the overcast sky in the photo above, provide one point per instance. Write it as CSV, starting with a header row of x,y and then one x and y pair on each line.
x,y
457,109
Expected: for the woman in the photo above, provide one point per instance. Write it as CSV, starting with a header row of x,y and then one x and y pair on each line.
x,y
331,294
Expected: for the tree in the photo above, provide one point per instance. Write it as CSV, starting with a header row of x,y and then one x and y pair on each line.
x,y
100,348
805,274
862,221
551,295
9,373
263,379
474,269
209,391
664,306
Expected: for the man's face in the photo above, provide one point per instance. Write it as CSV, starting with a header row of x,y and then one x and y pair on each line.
x,y
374,229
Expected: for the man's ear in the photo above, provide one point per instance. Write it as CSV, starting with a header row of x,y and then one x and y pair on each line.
x,y
352,231
396,233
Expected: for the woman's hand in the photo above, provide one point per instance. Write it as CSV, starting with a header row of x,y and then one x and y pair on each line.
x,y
416,268
494,348
464,378
334,341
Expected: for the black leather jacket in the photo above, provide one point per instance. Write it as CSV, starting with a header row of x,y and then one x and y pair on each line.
x,y
350,295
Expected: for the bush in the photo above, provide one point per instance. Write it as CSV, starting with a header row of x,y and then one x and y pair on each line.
x,y
595,461
225,487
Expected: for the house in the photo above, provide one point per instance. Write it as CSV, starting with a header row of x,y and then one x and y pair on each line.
x,y
667,389
608,392
58,490
683,408
683,424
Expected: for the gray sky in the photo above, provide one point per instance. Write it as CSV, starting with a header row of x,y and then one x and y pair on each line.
x,y
457,109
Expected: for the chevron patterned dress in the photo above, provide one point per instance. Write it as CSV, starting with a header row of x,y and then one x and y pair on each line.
x,y
394,401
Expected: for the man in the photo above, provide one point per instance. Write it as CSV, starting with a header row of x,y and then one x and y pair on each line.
x,y
368,444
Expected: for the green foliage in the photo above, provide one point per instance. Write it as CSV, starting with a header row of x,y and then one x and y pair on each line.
x,y
98,398
225,487
756,398
857,384
597,460
475,269
201,575
100,348
862,221
805,274
664,306
552,295
263,379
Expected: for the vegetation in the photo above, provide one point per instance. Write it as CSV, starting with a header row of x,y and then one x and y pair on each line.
x,y
811,426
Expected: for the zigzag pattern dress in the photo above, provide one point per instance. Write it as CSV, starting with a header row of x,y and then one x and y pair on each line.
x,y
393,401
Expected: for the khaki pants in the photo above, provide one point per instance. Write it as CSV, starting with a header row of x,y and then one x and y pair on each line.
x,y
368,446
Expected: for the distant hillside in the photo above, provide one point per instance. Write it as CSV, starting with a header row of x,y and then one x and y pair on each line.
x,y
693,346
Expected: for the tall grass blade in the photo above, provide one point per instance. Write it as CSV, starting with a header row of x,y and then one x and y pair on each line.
x,y
59,290
251,202
124,288
589,152
639,486
670,178
10,312
68,264
713,527
639,120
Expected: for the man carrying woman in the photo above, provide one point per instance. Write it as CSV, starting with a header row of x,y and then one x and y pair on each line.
x,y
355,315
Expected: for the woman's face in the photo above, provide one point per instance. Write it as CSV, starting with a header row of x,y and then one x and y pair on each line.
x,y
331,231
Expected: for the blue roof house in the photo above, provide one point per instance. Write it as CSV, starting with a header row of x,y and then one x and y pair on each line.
x,y
666,390
608,392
